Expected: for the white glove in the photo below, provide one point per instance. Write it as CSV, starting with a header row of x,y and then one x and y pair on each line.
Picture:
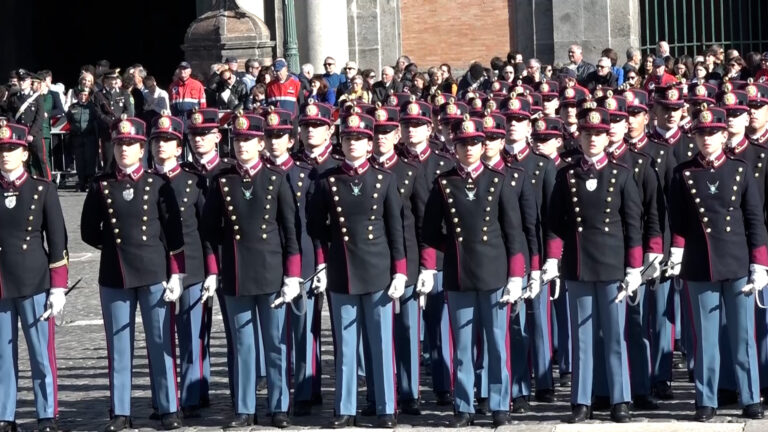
x,y
675,261
397,287
291,288
173,288
631,283
550,270
534,285
56,301
652,262
209,287
758,278
425,281
320,281
513,290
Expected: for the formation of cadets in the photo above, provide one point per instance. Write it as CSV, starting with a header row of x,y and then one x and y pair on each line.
x,y
475,217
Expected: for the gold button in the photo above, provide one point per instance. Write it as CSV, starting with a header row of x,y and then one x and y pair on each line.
x,y
145,207
578,218
693,191
370,236
455,220
116,230
370,228
727,229
118,241
264,236
580,229
236,227
461,239
24,247
705,219
485,238
343,229
374,207
237,236
346,238
338,209
576,209
458,229
113,220
608,199
144,238
226,189
266,207
606,229
233,217
230,208
574,199
709,229
228,199
266,216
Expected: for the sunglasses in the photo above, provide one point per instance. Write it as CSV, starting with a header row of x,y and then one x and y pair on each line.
x,y
329,64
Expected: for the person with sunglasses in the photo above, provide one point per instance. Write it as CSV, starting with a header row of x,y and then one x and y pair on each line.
x,y
350,71
331,77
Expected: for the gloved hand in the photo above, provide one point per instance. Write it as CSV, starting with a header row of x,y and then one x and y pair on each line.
x,y
674,262
512,291
209,287
320,281
397,287
631,283
652,264
291,288
550,269
56,301
758,279
173,287
534,285
425,281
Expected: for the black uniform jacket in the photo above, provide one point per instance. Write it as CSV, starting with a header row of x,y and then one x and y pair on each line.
x,y
33,238
717,216
755,157
355,217
483,239
681,145
134,219
251,214
33,114
595,219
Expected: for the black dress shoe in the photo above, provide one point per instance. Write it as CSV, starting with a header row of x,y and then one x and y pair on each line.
x,y
118,423
565,379
753,411
620,413
171,421
343,421
155,415
241,421
579,413
645,403
410,407
443,398
7,426
704,414
369,410
520,405
601,403
190,412
545,395
302,408
663,390
460,420
501,418
280,420
386,421
47,425
482,406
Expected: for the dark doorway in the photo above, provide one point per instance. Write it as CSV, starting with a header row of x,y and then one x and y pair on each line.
x,y
63,35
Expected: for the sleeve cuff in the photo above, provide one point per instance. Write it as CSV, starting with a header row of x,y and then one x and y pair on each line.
x,y
655,245
635,257
554,248
678,241
400,266
59,276
516,265
177,262
428,258
535,262
759,256
319,256
293,266
211,267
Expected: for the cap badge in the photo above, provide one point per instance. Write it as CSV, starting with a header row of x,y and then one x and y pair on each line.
x,y
629,96
513,104
164,123
124,127
610,104
540,125
273,119
413,109
311,110
241,123
727,87
451,109
673,94
381,115
197,118
468,126
5,133
593,117
439,100
700,90
392,100
488,122
705,117
496,86
477,103
729,99
570,93
353,121
751,91
543,88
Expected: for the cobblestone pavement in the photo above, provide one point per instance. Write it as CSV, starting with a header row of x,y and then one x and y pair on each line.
x,y
84,393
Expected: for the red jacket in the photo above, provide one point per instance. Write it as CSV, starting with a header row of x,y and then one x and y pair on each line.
x,y
186,96
284,95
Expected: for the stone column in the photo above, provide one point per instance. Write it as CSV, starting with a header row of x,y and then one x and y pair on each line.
x,y
374,32
326,32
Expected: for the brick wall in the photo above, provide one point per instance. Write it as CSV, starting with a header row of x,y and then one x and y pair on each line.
x,y
455,32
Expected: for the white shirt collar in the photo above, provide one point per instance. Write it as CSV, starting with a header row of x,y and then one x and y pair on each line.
x,y
208,157
383,157
664,132
419,148
13,175
162,169
354,164
516,147
315,152
281,159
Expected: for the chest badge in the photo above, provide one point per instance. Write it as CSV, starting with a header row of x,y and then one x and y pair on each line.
x,y
247,193
356,186
128,194
471,191
713,187
591,184
10,202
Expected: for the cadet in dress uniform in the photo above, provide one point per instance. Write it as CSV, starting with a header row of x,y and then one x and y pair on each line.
x,y
416,127
668,106
200,281
362,247
250,212
27,108
33,278
541,173
112,102
721,195
595,219
280,135
473,215
133,217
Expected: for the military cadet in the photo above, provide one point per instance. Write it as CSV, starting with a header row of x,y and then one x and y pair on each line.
x,y
279,136
204,136
33,277
416,127
251,213
668,105
112,102
484,267
26,107
648,187
570,100
719,193
660,302
421,260
200,281
550,97
595,220
448,112
540,171
366,264
132,216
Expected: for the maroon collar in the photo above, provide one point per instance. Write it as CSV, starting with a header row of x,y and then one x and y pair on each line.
x,y
498,165
586,162
16,183
386,163
619,151
422,155
206,167
738,148
668,141
321,157
706,163
522,154
285,165
133,175
473,173
350,170
249,171
171,172
557,160
640,143
762,139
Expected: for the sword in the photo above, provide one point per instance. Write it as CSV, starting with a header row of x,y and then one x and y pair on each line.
x,y
279,302
49,311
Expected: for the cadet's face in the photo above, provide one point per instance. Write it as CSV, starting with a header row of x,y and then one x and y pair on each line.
x,y
385,140
518,129
165,150
316,135
356,148
416,133
445,132
618,130
550,106
468,152
205,144
668,117
248,149
568,114
493,147
547,147
636,124
737,124
758,117
593,142
710,141
128,153
278,145
12,157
